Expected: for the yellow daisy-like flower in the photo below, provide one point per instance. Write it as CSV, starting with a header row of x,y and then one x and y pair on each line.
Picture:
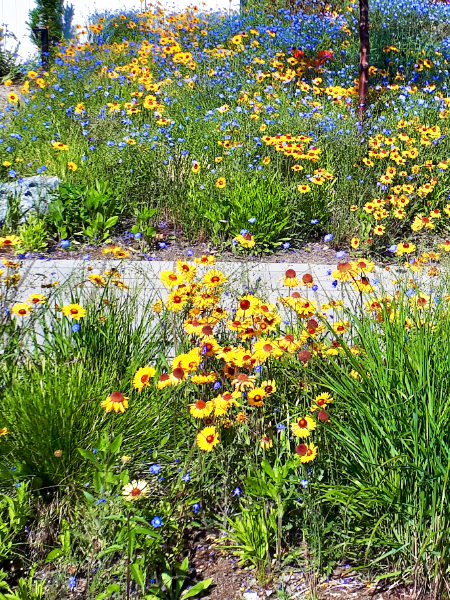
x,y
21,309
290,278
213,278
405,248
74,311
97,279
221,182
187,269
120,253
264,349
207,439
37,298
266,442
244,382
201,409
345,272
320,402
246,240
158,306
176,300
269,387
9,241
256,396
4,431
205,259
116,402
13,98
170,279
303,427
306,452
135,490
142,377
72,166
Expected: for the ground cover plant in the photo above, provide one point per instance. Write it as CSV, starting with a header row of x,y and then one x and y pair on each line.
x,y
200,123
311,432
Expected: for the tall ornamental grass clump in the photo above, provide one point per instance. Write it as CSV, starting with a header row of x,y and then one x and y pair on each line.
x,y
391,439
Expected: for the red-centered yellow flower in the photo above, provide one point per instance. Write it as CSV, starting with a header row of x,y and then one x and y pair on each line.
x,y
256,396
188,270
214,278
290,278
248,305
21,309
203,378
142,377
303,427
13,98
306,452
74,311
405,248
201,409
241,417
246,240
121,253
177,300
37,298
379,230
72,166
195,167
445,246
4,431
288,343
135,490
269,387
221,182
363,285
97,279
266,442
320,402
355,243
207,439
265,349
205,259
116,402
303,188
363,265
341,327
157,307
9,241
345,272
170,279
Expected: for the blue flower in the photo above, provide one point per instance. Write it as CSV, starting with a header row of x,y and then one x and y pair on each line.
x,y
314,221
196,507
72,582
341,254
315,287
186,477
328,237
155,469
393,248
76,327
281,427
304,482
156,522
137,236
237,492
217,385
252,220
64,243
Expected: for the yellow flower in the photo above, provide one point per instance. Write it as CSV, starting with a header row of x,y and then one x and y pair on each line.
x,y
307,452
135,490
3,431
170,279
266,442
269,387
187,269
142,377
9,241
177,300
13,98
37,299
72,166
256,396
74,311
303,189
213,278
246,240
21,309
303,427
116,402
205,259
207,439
201,409
97,279
221,182
320,402
405,248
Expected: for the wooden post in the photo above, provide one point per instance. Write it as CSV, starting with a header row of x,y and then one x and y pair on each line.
x,y
364,49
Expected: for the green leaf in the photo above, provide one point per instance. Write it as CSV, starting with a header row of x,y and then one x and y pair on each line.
x,y
196,589
110,222
88,455
54,554
137,574
113,548
116,444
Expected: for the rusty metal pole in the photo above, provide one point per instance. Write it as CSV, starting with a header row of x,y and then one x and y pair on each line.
x,y
364,49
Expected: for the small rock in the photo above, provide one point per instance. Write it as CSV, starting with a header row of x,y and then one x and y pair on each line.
x,y
250,596
32,193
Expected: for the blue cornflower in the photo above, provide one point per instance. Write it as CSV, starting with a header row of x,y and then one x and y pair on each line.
x,y
237,492
281,427
76,327
304,482
328,237
64,243
156,522
341,254
314,221
155,469
196,507
252,220
217,385
72,582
